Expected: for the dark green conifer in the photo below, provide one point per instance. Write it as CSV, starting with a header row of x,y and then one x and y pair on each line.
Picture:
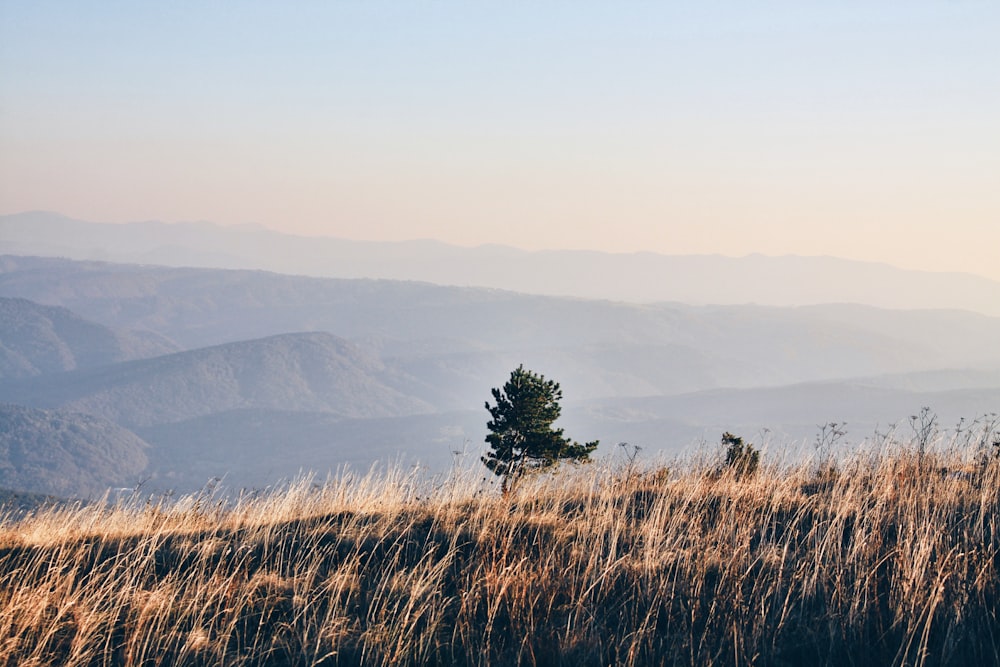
x,y
521,437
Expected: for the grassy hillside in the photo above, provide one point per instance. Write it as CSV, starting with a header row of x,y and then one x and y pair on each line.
x,y
886,558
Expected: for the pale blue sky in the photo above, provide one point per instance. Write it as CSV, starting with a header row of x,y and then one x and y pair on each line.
x,y
860,129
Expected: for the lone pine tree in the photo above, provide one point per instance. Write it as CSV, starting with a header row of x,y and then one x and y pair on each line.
x,y
521,436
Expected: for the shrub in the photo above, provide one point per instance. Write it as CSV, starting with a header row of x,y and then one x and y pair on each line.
x,y
741,457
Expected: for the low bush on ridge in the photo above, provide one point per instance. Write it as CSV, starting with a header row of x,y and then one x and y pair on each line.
x,y
889,558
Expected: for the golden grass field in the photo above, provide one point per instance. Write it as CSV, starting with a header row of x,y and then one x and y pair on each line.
x,y
888,557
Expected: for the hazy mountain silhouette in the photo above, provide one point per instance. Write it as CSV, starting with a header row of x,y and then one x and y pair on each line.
x,y
243,446
781,415
637,277
37,339
386,370
306,372
447,332
65,453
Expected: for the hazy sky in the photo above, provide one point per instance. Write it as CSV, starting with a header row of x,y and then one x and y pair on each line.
x,y
867,130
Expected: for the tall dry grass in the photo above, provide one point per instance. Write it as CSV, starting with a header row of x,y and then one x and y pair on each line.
x,y
885,558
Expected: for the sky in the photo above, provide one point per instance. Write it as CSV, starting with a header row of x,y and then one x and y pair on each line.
x,y
866,130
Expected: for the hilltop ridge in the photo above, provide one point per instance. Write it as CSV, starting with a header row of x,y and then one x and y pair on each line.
x,y
642,277
279,373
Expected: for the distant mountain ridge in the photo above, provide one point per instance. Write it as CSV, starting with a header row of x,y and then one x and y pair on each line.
x,y
37,339
634,277
471,334
304,372
279,373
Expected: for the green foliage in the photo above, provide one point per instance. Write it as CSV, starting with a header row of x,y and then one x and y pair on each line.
x,y
521,436
741,457
66,454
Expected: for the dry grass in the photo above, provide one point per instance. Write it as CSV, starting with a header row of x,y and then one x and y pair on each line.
x,y
886,559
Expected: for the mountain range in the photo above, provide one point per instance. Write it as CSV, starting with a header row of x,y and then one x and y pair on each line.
x,y
635,277
306,372
37,339
184,374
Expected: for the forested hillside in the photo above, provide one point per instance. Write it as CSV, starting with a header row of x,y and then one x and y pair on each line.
x,y
253,377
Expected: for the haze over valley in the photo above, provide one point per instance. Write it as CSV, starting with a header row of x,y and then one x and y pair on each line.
x,y
195,373
248,243
638,277
480,334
